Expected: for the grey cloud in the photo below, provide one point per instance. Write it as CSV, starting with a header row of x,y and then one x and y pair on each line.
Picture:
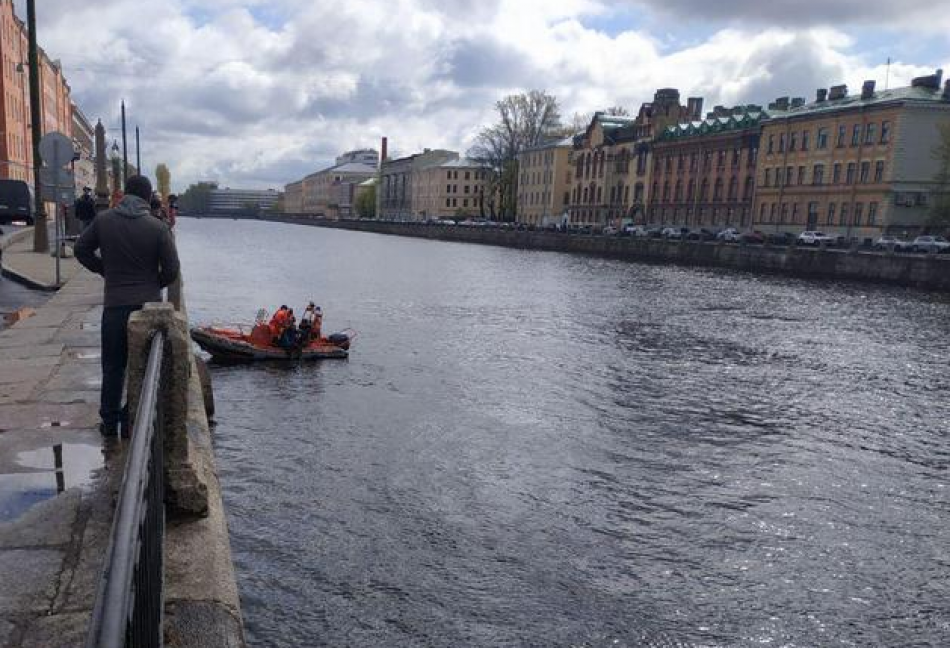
x,y
791,13
471,64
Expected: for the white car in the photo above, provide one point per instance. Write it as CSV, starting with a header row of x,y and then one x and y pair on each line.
x,y
928,243
730,235
638,231
609,231
672,233
888,242
809,237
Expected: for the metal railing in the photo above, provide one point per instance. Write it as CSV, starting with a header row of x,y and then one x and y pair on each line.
x,y
128,610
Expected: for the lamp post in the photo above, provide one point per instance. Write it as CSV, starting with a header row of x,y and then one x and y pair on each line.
x,y
40,235
116,170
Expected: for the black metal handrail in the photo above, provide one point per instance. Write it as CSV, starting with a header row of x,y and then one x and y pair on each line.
x,y
129,603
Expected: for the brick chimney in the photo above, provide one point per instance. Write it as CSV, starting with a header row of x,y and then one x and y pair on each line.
x,y
837,92
694,106
822,95
383,150
867,90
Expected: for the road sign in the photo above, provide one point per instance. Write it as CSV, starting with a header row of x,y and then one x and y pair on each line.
x,y
56,178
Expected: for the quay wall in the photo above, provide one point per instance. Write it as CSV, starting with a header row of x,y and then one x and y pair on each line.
x,y
926,271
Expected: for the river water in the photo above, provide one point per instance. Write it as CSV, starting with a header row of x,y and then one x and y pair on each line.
x,y
537,449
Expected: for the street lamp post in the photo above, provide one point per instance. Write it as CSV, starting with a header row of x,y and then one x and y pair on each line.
x,y
116,170
40,235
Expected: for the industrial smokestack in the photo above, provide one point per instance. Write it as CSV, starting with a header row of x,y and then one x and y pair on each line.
x,y
383,151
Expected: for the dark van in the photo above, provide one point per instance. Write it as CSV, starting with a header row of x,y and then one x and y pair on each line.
x,y
16,202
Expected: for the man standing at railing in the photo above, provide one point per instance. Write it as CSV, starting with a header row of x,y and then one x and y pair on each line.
x,y
137,257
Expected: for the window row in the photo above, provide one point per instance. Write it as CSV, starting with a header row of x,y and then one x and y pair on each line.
x,y
454,175
453,202
454,188
720,191
870,133
853,173
844,214
722,158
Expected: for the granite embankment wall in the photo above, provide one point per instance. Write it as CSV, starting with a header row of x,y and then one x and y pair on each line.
x,y
931,272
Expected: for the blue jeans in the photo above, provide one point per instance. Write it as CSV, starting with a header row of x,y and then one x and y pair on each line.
x,y
115,355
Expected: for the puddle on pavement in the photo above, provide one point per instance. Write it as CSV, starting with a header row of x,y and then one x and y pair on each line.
x,y
52,470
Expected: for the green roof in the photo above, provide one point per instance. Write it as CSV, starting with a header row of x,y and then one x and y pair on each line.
x,y
713,125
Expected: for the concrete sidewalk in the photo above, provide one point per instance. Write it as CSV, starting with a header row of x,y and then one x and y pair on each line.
x,y
36,270
58,477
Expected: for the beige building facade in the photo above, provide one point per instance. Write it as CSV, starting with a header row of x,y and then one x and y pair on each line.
x,y
293,198
452,189
856,166
544,182
398,188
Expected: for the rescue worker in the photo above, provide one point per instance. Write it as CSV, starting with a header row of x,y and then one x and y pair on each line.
x,y
288,337
278,323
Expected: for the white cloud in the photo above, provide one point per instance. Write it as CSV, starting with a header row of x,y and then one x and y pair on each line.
x,y
223,91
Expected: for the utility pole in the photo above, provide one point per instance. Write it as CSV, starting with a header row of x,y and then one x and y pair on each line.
x,y
125,150
138,154
40,235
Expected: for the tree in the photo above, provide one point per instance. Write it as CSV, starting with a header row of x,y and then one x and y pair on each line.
x,y
939,218
197,197
163,178
616,111
524,120
366,202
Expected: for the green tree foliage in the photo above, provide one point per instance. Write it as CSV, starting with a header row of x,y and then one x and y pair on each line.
x,y
524,120
366,203
163,180
197,196
939,219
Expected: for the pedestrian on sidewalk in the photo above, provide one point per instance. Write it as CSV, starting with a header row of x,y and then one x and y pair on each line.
x,y
137,257
85,207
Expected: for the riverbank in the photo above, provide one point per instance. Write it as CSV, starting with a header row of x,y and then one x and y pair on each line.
x,y
59,478
928,272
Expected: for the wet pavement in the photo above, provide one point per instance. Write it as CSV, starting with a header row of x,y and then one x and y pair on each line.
x,y
57,474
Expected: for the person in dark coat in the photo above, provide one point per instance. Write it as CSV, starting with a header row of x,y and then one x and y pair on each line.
x,y
137,257
85,207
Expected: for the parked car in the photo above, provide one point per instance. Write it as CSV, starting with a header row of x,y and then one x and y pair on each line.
x,y
730,235
703,234
780,238
888,242
811,237
674,232
752,236
16,202
638,231
610,230
928,243
655,232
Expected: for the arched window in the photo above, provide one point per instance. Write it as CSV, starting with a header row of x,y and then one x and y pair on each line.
x,y
704,190
717,191
733,188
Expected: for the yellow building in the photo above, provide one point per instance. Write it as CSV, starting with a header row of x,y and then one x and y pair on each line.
x,y
449,189
293,198
544,179
856,165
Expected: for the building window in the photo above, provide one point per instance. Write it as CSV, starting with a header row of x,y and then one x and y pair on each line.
x,y
830,219
733,189
792,141
736,157
704,190
858,213
843,218
842,135
794,212
721,159
465,202
804,140
454,202
772,213
680,162
448,175
749,187
818,174
678,191
885,136
784,216
467,175
849,177
717,190
868,137
465,188
666,191
448,188
813,213
752,157
762,213
771,144
768,178
879,171
865,172
856,135
872,213
836,173
788,175
455,188
693,161
448,202
801,175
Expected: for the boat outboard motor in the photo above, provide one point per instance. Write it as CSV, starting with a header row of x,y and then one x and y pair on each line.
x,y
339,339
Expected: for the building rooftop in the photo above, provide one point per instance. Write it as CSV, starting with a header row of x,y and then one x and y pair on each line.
x,y
740,119
353,167
553,143
463,162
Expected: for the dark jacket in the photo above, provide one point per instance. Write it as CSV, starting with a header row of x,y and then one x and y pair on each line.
x,y
85,208
137,254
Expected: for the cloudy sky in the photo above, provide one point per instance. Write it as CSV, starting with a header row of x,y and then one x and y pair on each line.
x,y
257,93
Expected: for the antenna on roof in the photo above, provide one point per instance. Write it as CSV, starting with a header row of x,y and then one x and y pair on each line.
x,y
887,75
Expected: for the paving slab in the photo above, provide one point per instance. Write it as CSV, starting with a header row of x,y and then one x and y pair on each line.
x,y
29,578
